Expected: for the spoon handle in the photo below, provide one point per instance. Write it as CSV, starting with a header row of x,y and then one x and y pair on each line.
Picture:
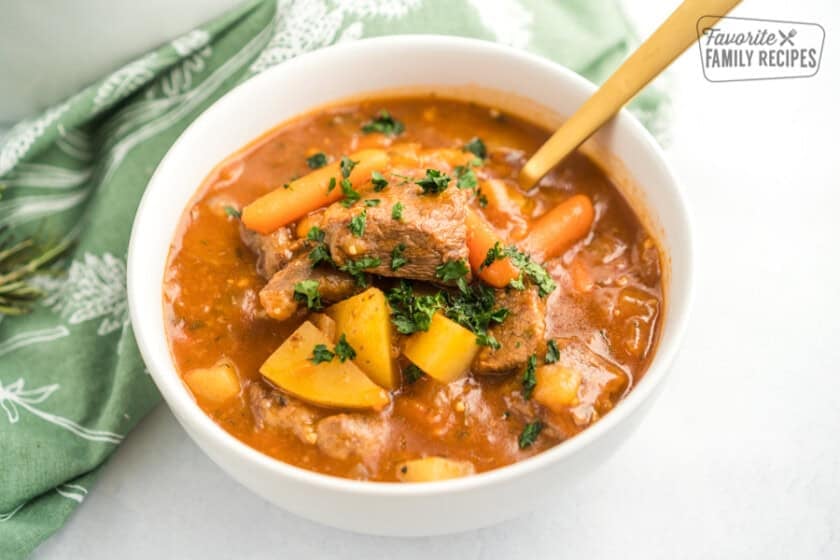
x,y
669,41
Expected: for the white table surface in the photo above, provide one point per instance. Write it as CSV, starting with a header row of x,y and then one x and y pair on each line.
x,y
740,458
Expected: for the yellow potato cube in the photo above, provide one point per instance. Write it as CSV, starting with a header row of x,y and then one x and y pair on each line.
x,y
365,320
557,386
430,469
444,352
331,384
213,385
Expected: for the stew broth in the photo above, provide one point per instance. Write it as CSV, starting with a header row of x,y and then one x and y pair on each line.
x,y
605,310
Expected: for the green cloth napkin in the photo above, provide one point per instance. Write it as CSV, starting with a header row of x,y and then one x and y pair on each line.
x,y
72,383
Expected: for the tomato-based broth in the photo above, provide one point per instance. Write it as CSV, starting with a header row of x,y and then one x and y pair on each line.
x,y
366,292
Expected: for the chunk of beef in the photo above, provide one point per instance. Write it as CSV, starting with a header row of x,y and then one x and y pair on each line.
x,y
354,436
603,383
278,296
276,410
431,232
520,335
274,250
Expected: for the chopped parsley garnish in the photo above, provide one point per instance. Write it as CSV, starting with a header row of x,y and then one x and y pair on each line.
x,y
347,166
552,353
378,181
434,182
465,176
232,212
397,211
412,373
331,186
350,194
476,147
411,313
317,161
530,433
494,253
321,252
475,309
343,349
482,199
357,223
321,354
529,377
286,186
453,271
371,202
307,292
398,260
315,234
532,270
357,268
384,123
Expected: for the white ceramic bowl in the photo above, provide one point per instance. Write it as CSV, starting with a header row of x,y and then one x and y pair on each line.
x,y
348,70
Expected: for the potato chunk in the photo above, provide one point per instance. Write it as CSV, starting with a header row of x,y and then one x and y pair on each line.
x,y
444,352
213,385
429,469
330,384
365,320
557,386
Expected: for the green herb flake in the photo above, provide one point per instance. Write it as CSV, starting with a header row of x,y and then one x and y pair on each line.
x,y
536,273
529,377
315,234
529,434
482,199
397,211
232,212
475,309
476,147
286,186
347,166
321,354
351,195
384,123
397,259
495,253
412,374
357,268
358,223
434,182
412,313
465,177
378,181
307,292
317,161
320,254
343,349
552,353
331,186
371,202
453,271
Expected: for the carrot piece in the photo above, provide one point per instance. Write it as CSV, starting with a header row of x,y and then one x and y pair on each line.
x,y
480,239
283,206
559,228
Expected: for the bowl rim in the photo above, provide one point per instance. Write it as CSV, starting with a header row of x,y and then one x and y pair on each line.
x,y
187,411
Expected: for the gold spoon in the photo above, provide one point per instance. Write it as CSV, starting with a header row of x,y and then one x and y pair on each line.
x,y
670,40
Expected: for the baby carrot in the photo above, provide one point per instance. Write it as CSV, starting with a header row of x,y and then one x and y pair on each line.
x,y
559,228
318,188
480,239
